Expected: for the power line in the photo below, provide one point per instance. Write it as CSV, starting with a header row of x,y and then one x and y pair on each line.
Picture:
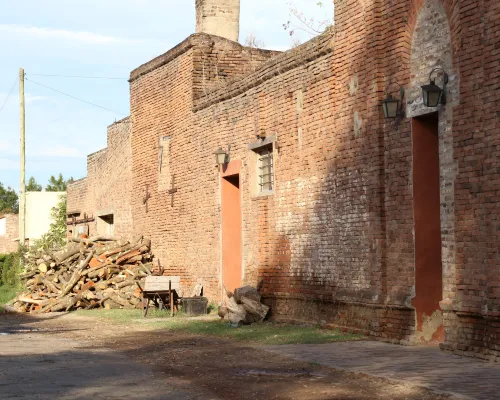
x,y
75,98
8,96
80,77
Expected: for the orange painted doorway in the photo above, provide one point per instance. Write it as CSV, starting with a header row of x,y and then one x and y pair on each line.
x,y
426,212
231,231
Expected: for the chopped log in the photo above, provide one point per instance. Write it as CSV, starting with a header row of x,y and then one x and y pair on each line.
x,y
65,304
93,272
109,304
77,274
66,253
116,250
25,299
48,307
248,292
145,268
236,312
51,286
125,284
121,301
127,255
94,239
255,308
28,275
96,304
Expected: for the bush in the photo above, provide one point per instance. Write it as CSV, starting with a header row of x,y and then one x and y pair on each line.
x,y
10,268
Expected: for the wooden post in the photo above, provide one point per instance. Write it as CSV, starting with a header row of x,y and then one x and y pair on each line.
x,y
22,186
171,298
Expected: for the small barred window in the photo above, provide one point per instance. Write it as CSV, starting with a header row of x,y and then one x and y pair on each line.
x,y
265,169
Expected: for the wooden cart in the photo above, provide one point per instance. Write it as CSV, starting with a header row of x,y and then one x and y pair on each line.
x,y
162,291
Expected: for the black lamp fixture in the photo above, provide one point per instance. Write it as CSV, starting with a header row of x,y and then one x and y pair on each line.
x,y
393,107
222,157
432,94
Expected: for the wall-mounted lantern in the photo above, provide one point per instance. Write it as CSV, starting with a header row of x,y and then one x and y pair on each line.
x,y
393,107
222,157
432,94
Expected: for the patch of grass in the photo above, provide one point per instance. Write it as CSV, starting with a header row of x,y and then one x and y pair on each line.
x,y
125,316
120,316
265,333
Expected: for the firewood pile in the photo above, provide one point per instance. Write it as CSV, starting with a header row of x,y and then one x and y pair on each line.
x,y
87,273
243,307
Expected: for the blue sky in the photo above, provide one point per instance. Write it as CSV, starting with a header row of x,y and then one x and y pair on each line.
x,y
97,38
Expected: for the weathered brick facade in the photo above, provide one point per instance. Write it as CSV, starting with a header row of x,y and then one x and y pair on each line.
x,y
9,232
335,239
106,189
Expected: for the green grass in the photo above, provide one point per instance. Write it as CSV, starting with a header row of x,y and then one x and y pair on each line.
x,y
7,293
265,333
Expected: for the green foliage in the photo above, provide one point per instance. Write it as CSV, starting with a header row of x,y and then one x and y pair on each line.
x,y
56,236
58,184
9,202
33,186
213,308
10,267
7,293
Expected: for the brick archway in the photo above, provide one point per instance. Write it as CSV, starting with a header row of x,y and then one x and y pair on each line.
x,y
431,47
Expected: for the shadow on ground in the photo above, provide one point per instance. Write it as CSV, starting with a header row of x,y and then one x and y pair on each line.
x,y
70,357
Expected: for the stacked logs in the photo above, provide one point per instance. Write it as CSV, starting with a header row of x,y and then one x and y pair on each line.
x,y
243,307
88,273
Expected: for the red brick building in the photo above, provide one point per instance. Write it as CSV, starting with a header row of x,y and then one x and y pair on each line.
x,y
9,233
384,226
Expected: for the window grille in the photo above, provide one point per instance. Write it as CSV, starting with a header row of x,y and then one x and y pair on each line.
x,y
266,169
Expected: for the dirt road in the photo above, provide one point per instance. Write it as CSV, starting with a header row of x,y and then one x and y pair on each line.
x,y
75,357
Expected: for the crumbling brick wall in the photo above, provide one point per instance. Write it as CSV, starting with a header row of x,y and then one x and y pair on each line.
x,y
218,62
8,243
107,188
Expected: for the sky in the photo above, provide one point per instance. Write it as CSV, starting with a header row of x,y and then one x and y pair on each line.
x,y
97,38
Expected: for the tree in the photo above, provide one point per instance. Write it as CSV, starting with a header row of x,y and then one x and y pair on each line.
x,y
33,186
58,184
253,42
9,202
301,22
56,236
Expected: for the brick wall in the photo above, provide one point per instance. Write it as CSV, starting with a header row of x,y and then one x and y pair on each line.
x,y
184,237
335,241
107,187
11,223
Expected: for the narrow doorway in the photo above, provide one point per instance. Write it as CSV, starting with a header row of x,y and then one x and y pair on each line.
x,y
426,212
231,232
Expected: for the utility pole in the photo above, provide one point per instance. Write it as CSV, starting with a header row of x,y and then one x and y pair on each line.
x,y
22,186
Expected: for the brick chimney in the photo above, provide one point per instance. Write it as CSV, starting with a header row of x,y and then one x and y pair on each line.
x,y
218,17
